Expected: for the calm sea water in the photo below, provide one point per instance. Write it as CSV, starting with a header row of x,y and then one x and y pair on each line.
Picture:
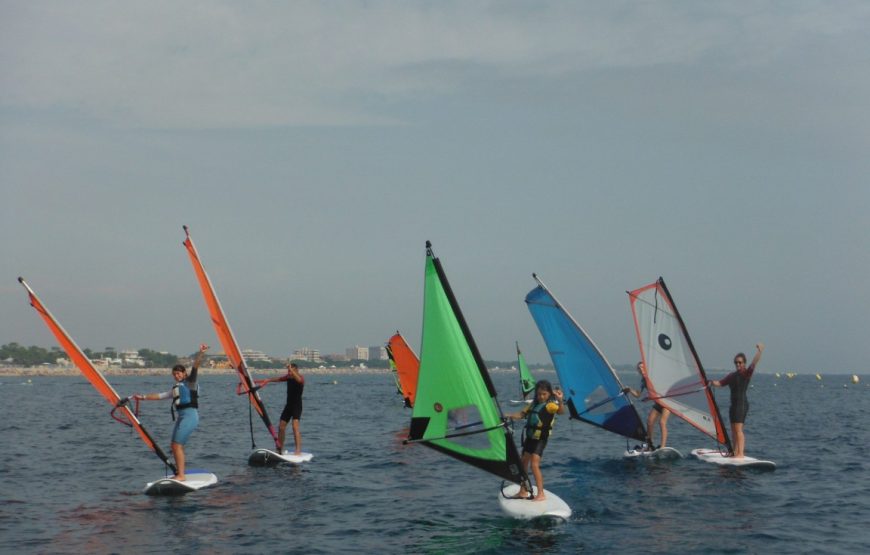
x,y
71,478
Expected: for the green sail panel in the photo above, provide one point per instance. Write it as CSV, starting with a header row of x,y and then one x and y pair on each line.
x,y
527,382
455,411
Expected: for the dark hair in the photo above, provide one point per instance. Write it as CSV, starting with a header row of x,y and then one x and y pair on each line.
x,y
740,355
179,367
638,365
544,384
293,365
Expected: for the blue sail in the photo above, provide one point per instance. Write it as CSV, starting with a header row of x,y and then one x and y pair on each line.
x,y
592,389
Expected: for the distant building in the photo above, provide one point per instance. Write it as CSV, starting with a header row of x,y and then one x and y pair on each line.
x,y
129,357
378,352
307,354
251,355
357,353
336,357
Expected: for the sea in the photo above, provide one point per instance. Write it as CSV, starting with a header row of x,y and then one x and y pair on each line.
x,y
71,478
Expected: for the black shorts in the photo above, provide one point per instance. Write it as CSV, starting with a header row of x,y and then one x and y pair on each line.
x,y
737,413
658,408
292,411
534,446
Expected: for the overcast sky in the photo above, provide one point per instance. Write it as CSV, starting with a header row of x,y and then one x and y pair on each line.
x,y
313,148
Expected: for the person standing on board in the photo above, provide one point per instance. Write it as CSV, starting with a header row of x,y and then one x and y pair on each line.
x,y
293,408
185,401
738,381
540,416
658,412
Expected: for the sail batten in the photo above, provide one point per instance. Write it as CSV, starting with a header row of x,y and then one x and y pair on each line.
x,y
94,376
674,374
454,390
593,391
226,337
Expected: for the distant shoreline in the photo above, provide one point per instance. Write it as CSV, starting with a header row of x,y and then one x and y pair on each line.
x,y
72,371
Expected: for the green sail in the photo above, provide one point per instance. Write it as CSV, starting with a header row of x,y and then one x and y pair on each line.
x,y
455,410
527,382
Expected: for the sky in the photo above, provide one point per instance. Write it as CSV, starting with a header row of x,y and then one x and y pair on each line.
x,y
312,148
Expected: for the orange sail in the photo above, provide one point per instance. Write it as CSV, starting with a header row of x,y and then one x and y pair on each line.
x,y
225,336
92,374
407,366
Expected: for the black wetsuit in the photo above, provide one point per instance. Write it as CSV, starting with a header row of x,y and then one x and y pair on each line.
x,y
293,408
738,382
656,407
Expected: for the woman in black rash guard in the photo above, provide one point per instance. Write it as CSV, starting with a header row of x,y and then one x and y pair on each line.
x,y
738,381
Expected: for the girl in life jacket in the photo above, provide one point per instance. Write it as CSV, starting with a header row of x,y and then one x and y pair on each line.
x,y
185,402
540,416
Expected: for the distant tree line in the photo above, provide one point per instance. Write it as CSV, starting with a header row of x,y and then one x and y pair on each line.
x,y
19,355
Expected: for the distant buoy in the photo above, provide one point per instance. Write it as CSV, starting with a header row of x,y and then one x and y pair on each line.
x,y
855,378
777,374
818,376
334,382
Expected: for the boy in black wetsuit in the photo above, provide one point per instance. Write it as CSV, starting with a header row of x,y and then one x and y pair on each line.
x,y
293,408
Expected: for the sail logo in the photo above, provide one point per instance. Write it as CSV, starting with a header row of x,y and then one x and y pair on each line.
x,y
439,407
665,342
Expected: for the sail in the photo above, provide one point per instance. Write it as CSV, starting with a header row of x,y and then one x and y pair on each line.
x,y
456,410
407,366
92,374
673,371
395,372
527,382
592,388
226,337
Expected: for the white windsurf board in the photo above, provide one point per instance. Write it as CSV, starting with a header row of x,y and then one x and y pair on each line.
x,y
193,480
715,457
662,453
551,506
267,457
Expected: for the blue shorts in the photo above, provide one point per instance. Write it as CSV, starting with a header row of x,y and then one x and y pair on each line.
x,y
188,419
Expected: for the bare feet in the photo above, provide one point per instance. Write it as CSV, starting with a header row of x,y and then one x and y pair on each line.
x,y
179,478
523,494
540,497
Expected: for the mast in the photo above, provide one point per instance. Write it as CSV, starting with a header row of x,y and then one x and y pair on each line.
x,y
226,337
94,376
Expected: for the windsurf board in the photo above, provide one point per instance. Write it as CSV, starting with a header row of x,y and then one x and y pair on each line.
x,y
193,480
267,457
526,509
716,457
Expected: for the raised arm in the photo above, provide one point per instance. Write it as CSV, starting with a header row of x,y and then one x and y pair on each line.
x,y
195,368
759,348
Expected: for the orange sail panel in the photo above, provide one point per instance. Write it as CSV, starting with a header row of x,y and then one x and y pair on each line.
x,y
225,335
93,375
407,366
